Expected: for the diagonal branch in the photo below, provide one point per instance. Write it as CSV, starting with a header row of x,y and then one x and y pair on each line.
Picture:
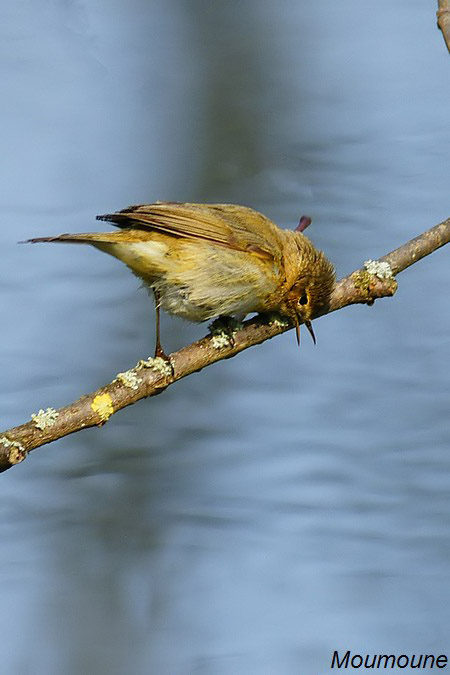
x,y
149,378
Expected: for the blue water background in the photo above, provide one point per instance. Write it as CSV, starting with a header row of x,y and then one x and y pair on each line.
x,y
285,503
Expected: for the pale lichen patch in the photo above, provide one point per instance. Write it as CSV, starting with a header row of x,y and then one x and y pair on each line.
x,y
16,451
221,340
278,320
44,418
102,405
382,270
158,364
129,378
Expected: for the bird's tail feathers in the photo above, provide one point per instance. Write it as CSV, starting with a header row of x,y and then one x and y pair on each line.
x,y
82,238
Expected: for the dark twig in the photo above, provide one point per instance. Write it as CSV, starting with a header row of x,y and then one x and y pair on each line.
x,y
443,19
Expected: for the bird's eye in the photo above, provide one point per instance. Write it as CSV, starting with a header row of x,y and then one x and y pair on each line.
x,y
303,299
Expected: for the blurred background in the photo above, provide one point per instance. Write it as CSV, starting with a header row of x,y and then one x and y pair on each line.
x,y
287,503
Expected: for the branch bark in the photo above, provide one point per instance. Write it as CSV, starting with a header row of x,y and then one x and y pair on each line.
x,y
443,19
149,378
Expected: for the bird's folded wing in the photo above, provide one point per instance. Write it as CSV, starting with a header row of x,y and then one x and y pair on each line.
x,y
239,228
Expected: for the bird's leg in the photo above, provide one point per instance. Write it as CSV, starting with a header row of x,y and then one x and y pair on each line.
x,y
159,351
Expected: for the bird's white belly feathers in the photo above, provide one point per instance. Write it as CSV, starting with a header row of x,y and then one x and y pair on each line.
x,y
197,285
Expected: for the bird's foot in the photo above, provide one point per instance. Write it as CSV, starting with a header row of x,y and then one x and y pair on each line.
x,y
223,329
161,354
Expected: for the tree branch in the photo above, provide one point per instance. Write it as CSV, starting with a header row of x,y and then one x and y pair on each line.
x,y
149,378
443,19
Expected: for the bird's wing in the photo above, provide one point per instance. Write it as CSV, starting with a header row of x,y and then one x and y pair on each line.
x,y
235,227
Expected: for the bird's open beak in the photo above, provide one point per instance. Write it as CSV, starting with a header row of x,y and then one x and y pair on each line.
x,y
294,318
297,331
308,325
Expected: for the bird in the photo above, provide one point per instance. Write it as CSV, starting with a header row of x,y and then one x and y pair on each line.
x,y
203,261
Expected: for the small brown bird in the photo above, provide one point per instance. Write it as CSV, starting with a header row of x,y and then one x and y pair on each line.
x,y
207,260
